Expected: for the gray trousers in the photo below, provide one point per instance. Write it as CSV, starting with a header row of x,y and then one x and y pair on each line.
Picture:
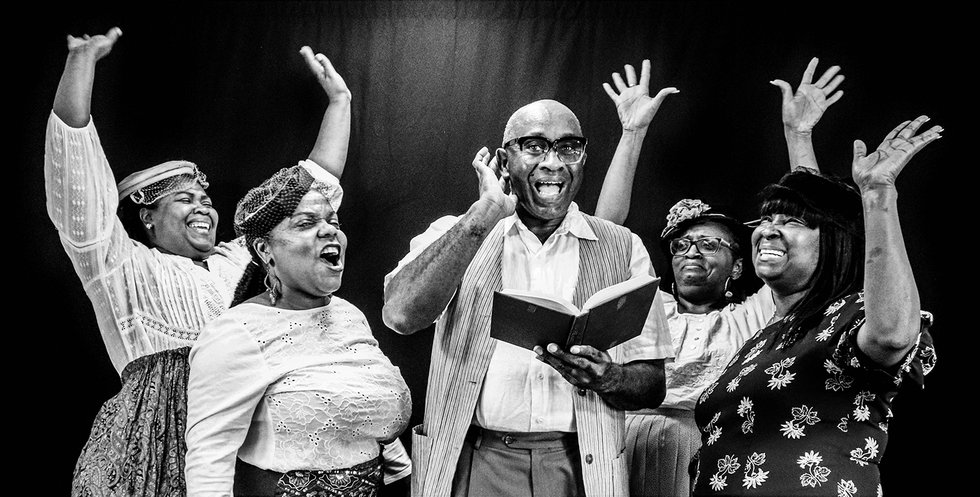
x,y
500,464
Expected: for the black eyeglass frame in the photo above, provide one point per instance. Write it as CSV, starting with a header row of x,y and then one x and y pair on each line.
x,y
698,243
552,145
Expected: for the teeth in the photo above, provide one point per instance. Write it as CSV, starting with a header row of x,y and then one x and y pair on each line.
x,y
201,226
549,188
331,251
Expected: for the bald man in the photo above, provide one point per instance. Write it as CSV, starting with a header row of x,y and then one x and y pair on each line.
x,y
499,419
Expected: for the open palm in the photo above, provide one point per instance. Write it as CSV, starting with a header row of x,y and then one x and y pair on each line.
x,y
633,102
882,167
804,108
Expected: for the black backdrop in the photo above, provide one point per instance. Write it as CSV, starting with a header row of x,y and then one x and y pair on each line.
x,y
222,84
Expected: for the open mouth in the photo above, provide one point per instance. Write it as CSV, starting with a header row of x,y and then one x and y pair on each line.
x,y
549,188
331,255
202,227
768,254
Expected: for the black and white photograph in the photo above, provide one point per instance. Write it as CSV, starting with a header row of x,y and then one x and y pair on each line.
x,y
335,248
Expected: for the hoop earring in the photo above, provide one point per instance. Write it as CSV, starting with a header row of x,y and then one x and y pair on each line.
x,y
272,285
728,293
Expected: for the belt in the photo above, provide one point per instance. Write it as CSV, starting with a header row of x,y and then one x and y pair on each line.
x,y
521,440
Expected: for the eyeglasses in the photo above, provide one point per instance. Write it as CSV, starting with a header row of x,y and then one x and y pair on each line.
x,y
706,245
569,149
778,219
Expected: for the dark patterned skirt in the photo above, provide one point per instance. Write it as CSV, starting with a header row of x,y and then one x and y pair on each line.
x,y
136,447
362,480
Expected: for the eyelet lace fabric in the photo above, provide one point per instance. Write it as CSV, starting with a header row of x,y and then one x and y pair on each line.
x,y
145,301
329,395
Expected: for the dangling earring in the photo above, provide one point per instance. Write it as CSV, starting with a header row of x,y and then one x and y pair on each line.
x,y
728,293
272,285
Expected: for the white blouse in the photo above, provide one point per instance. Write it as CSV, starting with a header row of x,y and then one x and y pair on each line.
x,y
145,301
519,392
704,343
288,389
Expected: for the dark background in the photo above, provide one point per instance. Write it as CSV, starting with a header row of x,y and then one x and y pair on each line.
x,y
223,85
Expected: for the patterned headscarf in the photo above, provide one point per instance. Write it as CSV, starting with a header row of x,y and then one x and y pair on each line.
x,y
149,185
266,205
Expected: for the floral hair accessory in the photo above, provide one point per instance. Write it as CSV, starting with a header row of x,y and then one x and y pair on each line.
x,y
692,211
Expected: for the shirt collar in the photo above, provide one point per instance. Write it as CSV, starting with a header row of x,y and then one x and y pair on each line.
x,y
573,224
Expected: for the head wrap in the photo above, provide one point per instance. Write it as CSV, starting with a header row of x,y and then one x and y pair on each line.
x,y
266,205
829,197
688,212
149,185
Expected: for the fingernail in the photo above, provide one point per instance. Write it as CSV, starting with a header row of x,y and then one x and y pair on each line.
x,y
575,349
552,347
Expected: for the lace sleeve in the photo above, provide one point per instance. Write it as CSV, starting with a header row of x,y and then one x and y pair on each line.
x,y
82,198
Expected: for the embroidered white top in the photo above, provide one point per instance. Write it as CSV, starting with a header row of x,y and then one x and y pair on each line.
x,y
145,301
289,389
704,343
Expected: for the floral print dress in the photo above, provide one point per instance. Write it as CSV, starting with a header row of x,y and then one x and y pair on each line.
x,y
810,418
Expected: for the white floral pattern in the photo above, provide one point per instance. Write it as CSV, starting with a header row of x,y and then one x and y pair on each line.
x,y
732,385
869,452
802,416
838,381
811,419
745,411
828,332
781,376
754,352
727,465
754,475
815,475
862,412
847,488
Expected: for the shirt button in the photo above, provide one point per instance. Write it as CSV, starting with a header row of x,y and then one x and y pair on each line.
x,y
541,376
581,391
588,459
539,420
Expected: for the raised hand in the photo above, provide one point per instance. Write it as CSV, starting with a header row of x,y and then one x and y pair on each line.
x,y
328,77
803,109
97,46
882,167
633,102
493,188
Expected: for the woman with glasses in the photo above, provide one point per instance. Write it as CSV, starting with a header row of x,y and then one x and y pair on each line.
x,y
705,299
803,407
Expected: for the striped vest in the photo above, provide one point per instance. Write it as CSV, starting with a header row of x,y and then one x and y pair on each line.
x,y
461,352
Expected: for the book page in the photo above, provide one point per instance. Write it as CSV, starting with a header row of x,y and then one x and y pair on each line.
x,y
554,303
622,288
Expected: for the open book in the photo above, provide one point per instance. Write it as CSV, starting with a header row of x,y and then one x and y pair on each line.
x,y
612,316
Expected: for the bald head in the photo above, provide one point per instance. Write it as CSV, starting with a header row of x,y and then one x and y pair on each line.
x,y
533,117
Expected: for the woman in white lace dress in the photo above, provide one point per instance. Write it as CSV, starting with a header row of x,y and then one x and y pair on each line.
x,y
153,286
289,393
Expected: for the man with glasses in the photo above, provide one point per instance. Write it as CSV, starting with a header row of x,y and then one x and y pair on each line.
x,y
500,419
